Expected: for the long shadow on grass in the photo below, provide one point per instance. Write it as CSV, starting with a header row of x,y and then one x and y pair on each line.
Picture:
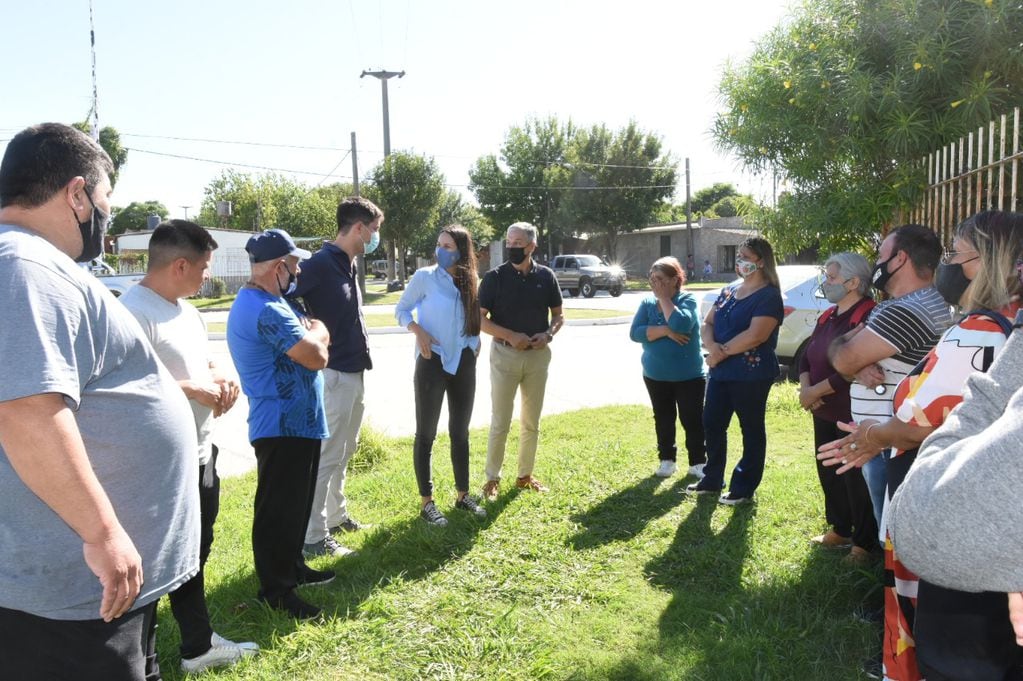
x,y
719,626
624,514
406,550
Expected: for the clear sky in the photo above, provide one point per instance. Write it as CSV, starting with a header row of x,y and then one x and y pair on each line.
x,y
287,73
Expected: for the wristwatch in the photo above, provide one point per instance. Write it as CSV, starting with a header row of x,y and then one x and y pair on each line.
x,y
550,336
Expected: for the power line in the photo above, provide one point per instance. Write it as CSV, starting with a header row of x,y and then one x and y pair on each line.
x,y
238,142
347,177
232,163
322,179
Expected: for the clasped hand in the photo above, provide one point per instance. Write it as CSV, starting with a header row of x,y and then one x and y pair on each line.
x,y
851,451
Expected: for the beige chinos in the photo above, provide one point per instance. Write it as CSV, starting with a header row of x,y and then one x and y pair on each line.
x,y
512,370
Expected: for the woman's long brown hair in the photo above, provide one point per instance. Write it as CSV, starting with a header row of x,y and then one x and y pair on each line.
x,y
466,278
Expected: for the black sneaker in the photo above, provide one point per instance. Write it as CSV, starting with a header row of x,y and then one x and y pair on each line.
x,y
732,499
697,488
349,525
311,577
294,606
432,515
470,504
873,667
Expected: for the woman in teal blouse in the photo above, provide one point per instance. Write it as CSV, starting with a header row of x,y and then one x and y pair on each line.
x,y
668,325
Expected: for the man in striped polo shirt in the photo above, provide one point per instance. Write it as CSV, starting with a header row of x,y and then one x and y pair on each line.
x,y
898,334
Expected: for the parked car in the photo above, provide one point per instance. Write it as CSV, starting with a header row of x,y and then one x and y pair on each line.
x,y
117,283
379,269
587,274
804,303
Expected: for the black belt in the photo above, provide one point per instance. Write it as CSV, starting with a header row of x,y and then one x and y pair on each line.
x,y
501,341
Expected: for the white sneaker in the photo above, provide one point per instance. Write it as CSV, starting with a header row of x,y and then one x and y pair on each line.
x,y
697,471
222,653
219,640
666,469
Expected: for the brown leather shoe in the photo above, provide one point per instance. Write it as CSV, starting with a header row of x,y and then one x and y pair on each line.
x,y
490,489
832,540
529,482
858,557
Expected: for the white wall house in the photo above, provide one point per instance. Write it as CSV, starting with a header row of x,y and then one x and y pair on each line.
x,y
230,261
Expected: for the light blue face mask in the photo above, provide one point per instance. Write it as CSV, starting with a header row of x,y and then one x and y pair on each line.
x,y
373,242
446,258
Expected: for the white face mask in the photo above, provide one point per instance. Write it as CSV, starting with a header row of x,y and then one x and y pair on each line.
x,y
744,267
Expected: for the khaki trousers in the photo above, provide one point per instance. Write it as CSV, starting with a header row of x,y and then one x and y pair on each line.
x,y
511,370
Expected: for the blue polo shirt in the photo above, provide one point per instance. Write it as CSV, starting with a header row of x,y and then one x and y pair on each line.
x,y
285,398
733,316
329,287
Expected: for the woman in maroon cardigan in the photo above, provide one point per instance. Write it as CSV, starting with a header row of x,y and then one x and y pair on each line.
x,y
825,393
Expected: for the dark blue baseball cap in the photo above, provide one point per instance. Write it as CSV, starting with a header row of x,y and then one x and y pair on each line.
x,y
273,244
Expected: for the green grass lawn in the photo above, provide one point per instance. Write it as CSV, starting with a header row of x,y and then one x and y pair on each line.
x,y
614,574
379,320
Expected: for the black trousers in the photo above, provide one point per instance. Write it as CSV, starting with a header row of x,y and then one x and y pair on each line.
x,y
963,636
431,383
847,505
33,647
682,400
286,476
188,602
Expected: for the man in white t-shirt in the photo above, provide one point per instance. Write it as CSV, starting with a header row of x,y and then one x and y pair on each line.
x,y
180,253
898,334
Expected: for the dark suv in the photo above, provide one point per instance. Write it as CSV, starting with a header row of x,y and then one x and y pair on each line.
x,y
587,274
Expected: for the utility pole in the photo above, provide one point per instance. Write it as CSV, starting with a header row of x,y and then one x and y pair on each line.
x,y
383,77
186,211
94,114
689,214
361,264
355,167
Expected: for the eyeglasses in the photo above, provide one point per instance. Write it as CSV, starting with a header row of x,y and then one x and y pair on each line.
x,y
948,255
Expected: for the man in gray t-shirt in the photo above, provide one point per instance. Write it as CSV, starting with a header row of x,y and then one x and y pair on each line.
x,y
98,502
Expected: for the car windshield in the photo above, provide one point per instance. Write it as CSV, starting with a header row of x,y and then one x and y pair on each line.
x,y
589,261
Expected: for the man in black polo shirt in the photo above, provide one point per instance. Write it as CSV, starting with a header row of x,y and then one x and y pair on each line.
x,y
330,290
515,300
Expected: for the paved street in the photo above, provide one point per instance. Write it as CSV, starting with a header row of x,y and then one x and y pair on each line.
x,y
593,365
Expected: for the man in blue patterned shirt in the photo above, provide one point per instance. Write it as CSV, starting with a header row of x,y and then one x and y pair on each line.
x,y
279,353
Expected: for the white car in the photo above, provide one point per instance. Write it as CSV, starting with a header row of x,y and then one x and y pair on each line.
x,y
804,303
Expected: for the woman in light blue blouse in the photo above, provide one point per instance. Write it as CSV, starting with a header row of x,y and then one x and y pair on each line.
x,y
447,328
668,325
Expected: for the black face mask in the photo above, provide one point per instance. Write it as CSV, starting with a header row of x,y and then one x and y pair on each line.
x,y
92,232
881,276
951,282
517,254
292,284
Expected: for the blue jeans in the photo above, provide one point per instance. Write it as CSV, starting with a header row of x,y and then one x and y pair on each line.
x,y
876,474
747,400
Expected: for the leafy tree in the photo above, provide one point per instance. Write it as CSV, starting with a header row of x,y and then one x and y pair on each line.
x,y
270,200
845,96
620,182
454,210
135,216
110,140
528,180
703,199
410,190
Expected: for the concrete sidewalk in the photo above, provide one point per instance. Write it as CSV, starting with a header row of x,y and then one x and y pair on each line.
x,y
593,365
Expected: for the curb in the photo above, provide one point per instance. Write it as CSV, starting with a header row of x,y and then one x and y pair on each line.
x,y
381,330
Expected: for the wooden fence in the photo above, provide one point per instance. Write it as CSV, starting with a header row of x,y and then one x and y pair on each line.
x,y
978,172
